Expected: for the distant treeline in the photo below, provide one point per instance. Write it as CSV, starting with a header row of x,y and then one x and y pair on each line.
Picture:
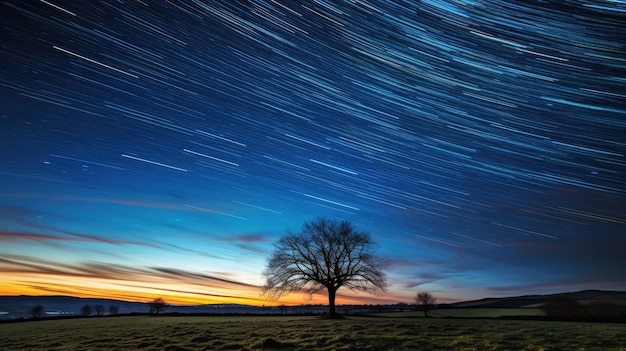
x,y
568,309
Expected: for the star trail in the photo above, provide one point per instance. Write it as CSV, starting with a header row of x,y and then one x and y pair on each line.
x,y
159,148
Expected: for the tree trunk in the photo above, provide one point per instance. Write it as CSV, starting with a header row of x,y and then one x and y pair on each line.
x,y
331,302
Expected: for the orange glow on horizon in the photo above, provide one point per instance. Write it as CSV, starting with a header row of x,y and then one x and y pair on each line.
x,y
31,276
173,294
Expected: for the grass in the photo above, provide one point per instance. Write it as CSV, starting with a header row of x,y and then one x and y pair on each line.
x,y
181,333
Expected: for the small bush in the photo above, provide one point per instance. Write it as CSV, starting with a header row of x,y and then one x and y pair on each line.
x,y
562,307
37,311
603,310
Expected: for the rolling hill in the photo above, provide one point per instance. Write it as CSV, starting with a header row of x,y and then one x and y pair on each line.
x,y
15,307
584,297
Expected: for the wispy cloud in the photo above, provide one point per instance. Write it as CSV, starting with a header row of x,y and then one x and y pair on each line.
x,y
119,201
247,238
230,297
95,279
32,236
71,237
17,269
61,288
27,264
247,241
254,249
198,277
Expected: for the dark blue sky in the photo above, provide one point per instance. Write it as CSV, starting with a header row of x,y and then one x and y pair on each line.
x,y
160,148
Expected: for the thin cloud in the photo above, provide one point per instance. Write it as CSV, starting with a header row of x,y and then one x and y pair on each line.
x,y
178,248
16,264
96,279
177,274
191,292
247,238
73,237
126,202
32,236
72,290
253,249
423,278
17,212
246,241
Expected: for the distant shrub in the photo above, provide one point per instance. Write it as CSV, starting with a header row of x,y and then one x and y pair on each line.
x,y
562,307
595,311
604,310
113,310
98,310
37,311
86,310
157,306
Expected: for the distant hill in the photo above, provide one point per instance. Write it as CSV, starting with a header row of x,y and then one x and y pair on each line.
x,y
13,307
584,297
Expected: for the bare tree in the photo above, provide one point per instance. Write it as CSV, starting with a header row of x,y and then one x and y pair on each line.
x,y
157,305
86,310
425,300
37,311
113,310
326,254
98,310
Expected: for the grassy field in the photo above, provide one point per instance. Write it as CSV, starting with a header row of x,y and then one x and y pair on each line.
x,y
179,333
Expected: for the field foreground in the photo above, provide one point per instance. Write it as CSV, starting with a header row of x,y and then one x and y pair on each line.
x,y
179,333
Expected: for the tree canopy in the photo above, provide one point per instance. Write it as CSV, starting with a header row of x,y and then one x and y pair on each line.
x,y
37,311
325,254
426,300
157,305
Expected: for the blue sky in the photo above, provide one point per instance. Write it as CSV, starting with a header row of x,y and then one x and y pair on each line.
x,y
159,149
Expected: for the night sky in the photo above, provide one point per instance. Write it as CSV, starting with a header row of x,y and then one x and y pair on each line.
x,y
160,148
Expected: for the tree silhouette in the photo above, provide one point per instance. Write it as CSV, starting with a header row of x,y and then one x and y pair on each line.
x,y
86,310
113,310
326,254
98,310
426,300
157,306
37,311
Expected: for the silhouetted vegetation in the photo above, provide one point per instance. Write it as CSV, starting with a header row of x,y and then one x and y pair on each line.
x,y
37,311
113,310
326,254
98,310
567,309
157,306
424,301
86,310
562,307
606,311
